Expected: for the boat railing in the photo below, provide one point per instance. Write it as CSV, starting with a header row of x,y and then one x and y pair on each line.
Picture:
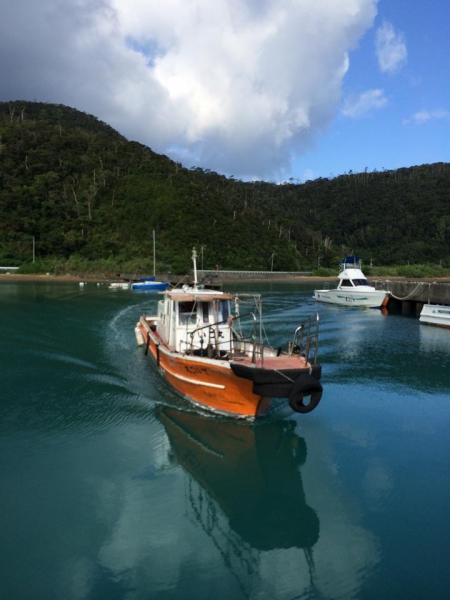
x,y
258,351
306,339
211,332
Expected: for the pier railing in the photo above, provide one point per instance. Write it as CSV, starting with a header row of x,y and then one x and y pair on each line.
x,y
416,291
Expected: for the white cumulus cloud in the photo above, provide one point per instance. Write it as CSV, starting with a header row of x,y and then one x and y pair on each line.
x,y
238,86
360,106
422,116
390,48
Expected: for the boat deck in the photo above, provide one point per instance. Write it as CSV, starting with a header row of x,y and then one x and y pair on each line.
x,y
273,362
278,363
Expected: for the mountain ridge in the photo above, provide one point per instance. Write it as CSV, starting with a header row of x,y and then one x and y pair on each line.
x,y
82,190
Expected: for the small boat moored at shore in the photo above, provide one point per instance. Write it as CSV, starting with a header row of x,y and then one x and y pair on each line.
x,y
148,284
353,288
435,314
119,285
214,355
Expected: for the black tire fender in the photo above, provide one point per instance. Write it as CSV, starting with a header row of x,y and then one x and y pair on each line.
x,y
303,386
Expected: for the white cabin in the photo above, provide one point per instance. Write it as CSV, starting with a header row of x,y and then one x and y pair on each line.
x,y
193,320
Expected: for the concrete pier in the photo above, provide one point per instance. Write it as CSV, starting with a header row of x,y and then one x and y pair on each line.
x,y
410,296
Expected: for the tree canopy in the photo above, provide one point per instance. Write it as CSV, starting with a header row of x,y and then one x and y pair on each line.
x,y
80,189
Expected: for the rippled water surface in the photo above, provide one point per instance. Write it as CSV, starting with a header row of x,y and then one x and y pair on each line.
x,y
112,487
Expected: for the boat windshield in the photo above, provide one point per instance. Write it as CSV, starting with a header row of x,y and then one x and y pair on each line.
x,y
361,282
187,312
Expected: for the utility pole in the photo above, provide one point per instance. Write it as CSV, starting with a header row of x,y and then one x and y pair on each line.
x,y
271,266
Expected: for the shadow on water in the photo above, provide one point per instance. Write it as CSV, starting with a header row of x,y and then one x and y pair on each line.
x,y
244,487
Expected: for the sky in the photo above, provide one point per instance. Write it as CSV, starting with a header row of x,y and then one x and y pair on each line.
x,y
272,90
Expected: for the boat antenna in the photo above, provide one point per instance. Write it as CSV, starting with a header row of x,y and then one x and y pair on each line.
x,y
194,260
154,254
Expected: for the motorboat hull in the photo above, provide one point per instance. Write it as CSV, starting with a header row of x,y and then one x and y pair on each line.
x,y
364,298
436,315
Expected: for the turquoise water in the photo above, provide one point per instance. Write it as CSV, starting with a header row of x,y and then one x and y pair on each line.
x,y
112,487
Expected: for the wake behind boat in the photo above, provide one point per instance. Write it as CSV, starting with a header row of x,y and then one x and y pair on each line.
x,y
215,356
353,288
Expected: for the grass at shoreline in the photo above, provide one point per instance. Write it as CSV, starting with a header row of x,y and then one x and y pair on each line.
x,y
102,270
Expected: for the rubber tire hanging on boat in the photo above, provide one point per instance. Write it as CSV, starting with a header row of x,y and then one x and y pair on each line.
x,y
305,385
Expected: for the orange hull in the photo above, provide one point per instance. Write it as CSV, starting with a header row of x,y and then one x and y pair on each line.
x,y
209,383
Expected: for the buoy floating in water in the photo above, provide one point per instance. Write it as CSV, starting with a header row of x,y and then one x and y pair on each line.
x,y
139,336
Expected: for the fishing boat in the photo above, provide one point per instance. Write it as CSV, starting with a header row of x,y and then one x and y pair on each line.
x,y
208,344
149,284
435,314
353,289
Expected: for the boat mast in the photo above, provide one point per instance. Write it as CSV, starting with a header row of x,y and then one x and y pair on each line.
x,y
154,255
194,260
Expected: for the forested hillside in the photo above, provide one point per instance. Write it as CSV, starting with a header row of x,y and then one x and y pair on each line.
x,y
82,191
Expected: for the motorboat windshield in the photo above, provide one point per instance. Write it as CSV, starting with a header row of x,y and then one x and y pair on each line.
x,y
357,282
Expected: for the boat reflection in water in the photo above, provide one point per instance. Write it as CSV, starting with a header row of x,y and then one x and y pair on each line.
x,y
251,473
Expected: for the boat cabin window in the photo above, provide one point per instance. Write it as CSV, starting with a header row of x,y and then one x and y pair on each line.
x,y
361,282
346,283
224,310
205,312
187,312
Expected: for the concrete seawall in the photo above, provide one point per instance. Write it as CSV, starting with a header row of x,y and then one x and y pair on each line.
x,y
410,296
250,275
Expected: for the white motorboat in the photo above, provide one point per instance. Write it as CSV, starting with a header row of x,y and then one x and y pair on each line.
x,y
353,288
435,314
